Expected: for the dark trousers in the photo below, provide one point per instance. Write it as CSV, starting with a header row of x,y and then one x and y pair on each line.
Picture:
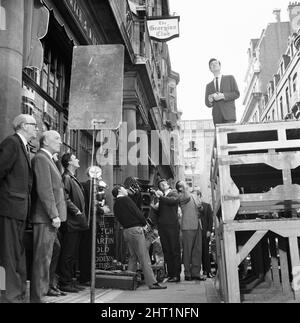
x,y
54,263
192,252
12,259
169,236
85,254
219,119
205,254
69,252
44,236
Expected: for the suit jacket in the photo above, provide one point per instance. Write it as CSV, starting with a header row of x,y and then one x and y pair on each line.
x,y
190,212
15,179
225,108
75,203
206,215
168,209
48,195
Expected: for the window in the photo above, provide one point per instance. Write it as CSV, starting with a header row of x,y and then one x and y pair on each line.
x,y
281,107
287,97
51,78
281,69
295,82
46,92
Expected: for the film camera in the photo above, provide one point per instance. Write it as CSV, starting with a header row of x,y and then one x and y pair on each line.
x,y
141,192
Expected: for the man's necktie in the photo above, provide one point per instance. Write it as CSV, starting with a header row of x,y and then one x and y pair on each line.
x,y
28,150
217,84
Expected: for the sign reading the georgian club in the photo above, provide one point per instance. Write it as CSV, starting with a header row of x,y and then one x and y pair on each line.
x,y
163,29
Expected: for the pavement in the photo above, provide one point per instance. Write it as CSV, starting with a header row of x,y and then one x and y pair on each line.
x,y
185,292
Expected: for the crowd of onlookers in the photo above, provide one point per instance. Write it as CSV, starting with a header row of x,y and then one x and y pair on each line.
x,y
35,190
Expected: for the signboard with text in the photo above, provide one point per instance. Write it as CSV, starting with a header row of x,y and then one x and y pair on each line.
x,y
105,243
163,29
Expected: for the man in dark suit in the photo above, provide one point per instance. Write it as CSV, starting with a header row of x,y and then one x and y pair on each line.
x,y
206,216
48,211
15,188
169,228
75,224
221,94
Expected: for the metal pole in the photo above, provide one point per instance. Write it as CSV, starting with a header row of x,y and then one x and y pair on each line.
x,y
93,260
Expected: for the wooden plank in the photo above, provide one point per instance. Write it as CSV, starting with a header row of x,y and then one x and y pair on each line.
x,y
231,267
254,127
284,267
295,260
228,188
274,261
266,145
279,193
278,160
251,243
292,225
223,273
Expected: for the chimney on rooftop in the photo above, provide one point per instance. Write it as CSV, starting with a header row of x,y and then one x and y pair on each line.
x,y
277,13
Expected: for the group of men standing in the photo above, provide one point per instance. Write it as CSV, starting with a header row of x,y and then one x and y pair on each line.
x,y
35,191
196,226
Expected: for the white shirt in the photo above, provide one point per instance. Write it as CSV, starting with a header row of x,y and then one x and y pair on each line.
x,y
167,192
47,152
25,142
219,81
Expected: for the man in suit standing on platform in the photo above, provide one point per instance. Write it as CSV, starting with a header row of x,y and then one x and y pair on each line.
x,y
221,94
15,189
48,211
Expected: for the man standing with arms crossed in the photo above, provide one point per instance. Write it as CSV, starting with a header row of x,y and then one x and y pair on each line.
x,y
221,94
48,211
15,188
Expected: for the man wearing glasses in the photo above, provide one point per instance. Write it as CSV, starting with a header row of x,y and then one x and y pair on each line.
x,y
15,189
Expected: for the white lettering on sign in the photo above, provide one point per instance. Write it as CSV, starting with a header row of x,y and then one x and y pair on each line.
x,y
295,18
2,279
2,17
163,30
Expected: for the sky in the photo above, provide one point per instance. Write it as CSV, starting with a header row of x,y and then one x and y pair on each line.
x,y
219,29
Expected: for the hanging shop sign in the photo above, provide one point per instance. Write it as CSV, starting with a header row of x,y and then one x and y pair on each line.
x,y
163,29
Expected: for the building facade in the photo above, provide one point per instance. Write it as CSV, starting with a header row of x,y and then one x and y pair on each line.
x,y
263,56
197,137
36,47
283,97
278,99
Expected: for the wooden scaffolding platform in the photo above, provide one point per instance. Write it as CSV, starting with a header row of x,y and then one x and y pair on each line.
x,y
255,180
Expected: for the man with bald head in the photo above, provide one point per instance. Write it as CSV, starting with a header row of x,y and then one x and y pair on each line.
x,y
48,211
15,189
